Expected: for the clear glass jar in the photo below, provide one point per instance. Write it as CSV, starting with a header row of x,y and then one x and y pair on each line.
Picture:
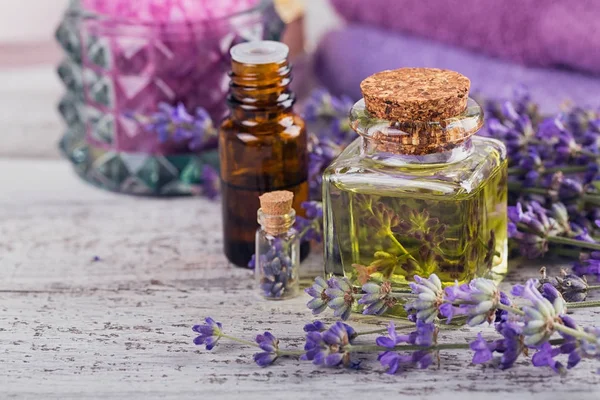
x,y
124,58
277,258
390,214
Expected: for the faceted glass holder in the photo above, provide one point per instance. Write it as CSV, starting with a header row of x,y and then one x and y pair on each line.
x,y
115,68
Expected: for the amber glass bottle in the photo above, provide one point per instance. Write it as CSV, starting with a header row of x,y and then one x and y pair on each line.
x,y
262,143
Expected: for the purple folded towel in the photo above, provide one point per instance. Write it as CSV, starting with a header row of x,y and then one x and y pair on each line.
x,y
533,32
347,56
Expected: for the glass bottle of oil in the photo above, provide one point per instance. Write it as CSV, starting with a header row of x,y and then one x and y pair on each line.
x,y
262,143
416,193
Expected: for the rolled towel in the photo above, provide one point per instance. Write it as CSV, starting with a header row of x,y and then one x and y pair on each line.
x,y
533,32
346,56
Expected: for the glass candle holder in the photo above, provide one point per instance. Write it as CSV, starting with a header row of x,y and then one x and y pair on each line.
x,y
123,60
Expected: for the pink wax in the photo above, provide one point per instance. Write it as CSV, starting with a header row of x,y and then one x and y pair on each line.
x,y
143,52
160,11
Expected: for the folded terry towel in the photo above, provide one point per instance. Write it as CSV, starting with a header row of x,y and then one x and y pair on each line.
x,y
533,32
347,56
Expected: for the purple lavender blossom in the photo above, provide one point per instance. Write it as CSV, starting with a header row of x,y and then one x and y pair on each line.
x,y
341,295
377,298
270,346
531,228
477,300
483,350
541,315
210,333
424,336
565,189
588,264
395,362
550,292
511,345
211,182
316,326
311,227
393,339
322,104
320,298
327,120
545,357
177,124
331,347
429,298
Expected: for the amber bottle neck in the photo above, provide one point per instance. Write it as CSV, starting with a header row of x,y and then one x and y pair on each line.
x,y
260,89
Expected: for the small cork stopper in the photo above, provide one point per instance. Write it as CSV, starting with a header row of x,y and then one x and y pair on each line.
x,y
276,203
416,94
276,206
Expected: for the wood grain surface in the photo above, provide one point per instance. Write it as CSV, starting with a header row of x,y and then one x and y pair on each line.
x,y
72,327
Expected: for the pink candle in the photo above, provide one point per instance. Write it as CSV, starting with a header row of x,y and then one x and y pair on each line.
x,y
140,53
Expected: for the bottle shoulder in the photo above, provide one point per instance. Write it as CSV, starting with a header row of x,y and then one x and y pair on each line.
x,y
354,171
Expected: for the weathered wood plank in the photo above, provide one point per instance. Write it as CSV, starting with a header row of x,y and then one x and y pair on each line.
x,y
120,327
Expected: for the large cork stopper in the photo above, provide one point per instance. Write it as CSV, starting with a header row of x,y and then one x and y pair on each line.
x,y
416,94
273,205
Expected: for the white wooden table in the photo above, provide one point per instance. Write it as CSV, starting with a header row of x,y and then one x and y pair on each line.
x,y
72,328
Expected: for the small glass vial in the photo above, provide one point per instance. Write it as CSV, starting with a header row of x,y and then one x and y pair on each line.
x,y
262,143
416,193
277,247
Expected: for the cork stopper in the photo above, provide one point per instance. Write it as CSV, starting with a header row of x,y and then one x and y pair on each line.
x,y
276,211
276,203
416,94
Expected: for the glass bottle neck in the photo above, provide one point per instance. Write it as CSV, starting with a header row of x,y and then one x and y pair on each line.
x,y
371,149
260,90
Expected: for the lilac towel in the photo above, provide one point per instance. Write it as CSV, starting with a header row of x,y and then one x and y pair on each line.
x,y
533,32
347,56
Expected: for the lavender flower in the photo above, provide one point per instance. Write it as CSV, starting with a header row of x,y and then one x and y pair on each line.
x,y
331,347
541,316
378,298
211,182
588,264
483,350
210,333
318,291
511,346
316,326
322,104
321,152
477,300
429,298
394,361
425,336
545,357
270,346
393,339
550,292
531,228
177,124
341,295
311,227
